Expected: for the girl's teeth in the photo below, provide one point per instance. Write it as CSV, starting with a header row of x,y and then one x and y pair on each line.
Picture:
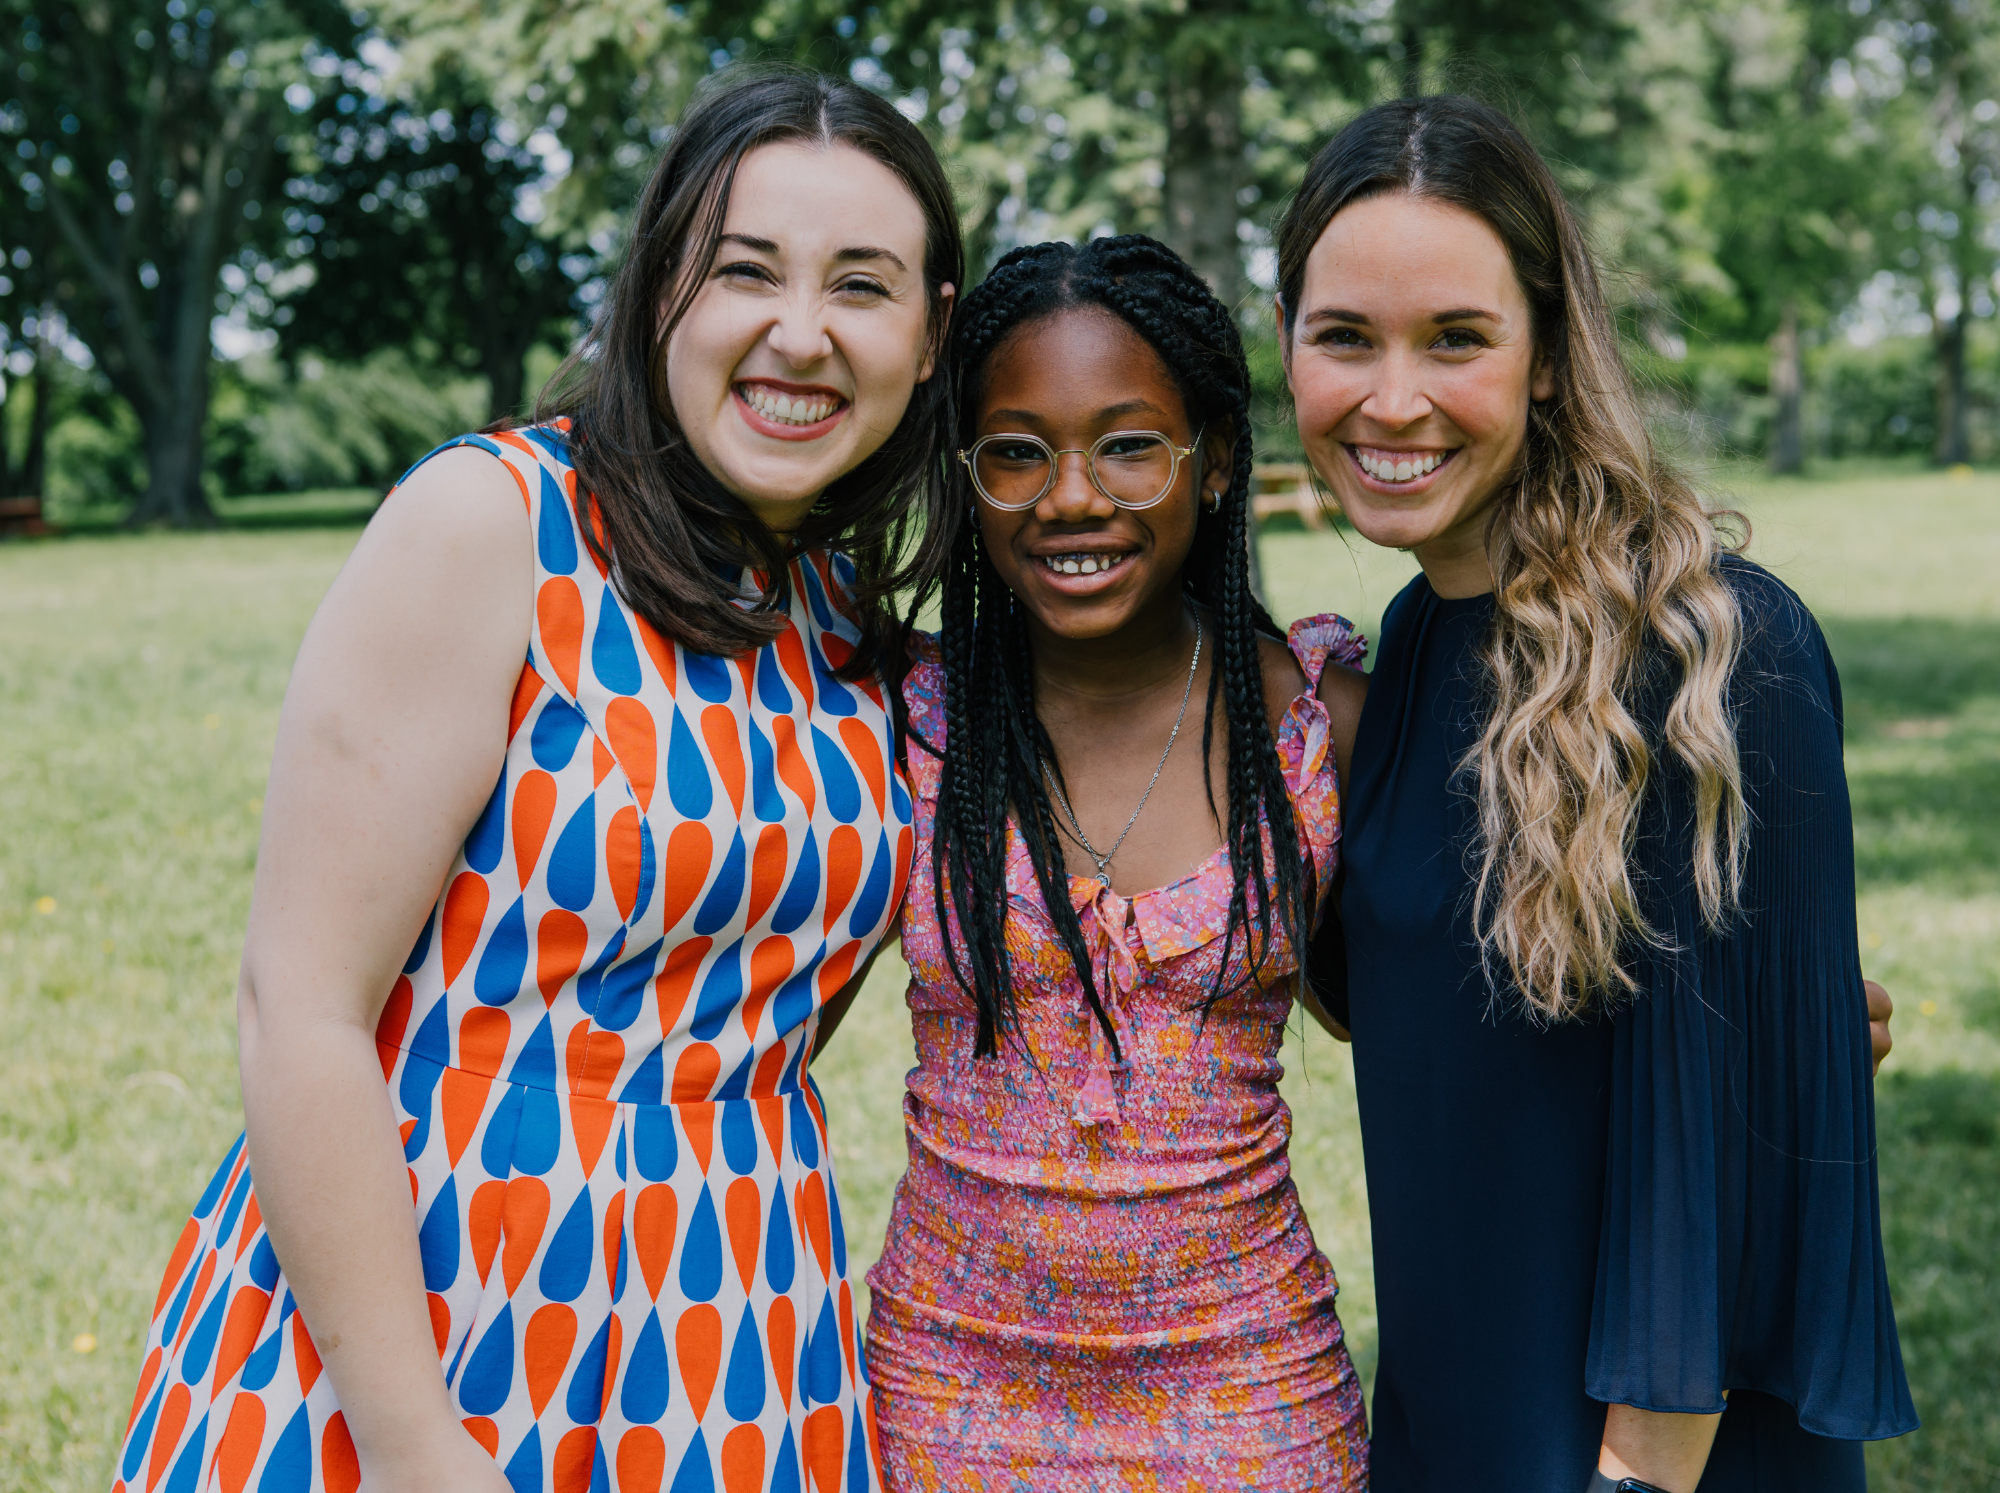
x,y
1080,564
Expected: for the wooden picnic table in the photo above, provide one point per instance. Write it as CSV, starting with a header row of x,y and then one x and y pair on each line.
x,y
22,516
1285,487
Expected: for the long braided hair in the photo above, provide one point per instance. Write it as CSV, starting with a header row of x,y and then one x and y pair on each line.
x,y
993,767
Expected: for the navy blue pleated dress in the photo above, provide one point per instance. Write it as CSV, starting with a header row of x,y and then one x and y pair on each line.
x,y
1650,1207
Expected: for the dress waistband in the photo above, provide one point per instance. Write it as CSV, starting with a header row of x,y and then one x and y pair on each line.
x,y
674,1093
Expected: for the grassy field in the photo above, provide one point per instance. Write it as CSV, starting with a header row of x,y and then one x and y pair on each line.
x,y
139,686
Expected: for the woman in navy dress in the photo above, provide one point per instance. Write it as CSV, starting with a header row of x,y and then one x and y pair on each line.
x,y
1610,1038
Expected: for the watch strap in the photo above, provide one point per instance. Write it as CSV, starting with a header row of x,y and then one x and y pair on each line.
x,y
1600,1482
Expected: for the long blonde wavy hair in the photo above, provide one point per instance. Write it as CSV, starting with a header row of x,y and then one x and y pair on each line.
x,y
1607,582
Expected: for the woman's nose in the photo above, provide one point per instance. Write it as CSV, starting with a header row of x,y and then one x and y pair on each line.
x,y
1398,398
799,334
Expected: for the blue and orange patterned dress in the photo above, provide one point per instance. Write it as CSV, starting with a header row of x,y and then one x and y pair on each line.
x,y
597,1054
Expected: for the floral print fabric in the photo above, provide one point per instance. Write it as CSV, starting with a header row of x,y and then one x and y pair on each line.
x,y
1099,1275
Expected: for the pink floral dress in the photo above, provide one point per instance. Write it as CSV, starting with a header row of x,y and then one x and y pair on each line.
x,y
1098,1276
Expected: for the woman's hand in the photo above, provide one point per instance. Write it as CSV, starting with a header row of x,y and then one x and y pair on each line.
x,y
447,1461
392,736
1880,1009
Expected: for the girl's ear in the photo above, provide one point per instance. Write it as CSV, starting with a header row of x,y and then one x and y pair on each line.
x,y
1218,463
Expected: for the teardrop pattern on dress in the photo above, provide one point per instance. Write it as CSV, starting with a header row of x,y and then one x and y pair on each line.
x,y
626,1214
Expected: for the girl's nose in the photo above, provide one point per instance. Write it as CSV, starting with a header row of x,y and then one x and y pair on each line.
x,y
1073,497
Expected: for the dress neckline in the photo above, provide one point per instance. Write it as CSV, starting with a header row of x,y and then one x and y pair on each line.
x,y
1455,606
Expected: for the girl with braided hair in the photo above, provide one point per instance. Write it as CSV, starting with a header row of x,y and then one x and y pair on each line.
x,y
1127,815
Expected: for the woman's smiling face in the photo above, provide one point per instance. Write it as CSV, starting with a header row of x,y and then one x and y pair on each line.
x,y
797,356
1412,360
1083,566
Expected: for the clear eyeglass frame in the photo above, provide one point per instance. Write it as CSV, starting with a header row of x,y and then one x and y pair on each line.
x,y
969,458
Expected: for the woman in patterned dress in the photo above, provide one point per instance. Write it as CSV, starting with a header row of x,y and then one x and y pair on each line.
x,y
1097,1272
581,914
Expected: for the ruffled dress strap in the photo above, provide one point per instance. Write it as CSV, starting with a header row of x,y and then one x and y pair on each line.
x,y
1305,736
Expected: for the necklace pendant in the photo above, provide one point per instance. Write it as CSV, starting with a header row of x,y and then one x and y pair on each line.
x,y
1104,878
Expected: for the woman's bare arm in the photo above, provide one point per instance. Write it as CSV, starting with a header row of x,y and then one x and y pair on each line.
x,y
392,735
1668,1451
837,1004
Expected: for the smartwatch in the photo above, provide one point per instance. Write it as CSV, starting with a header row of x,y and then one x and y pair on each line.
x,y
1599,1483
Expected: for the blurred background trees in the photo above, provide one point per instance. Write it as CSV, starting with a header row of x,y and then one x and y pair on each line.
x,y
279,244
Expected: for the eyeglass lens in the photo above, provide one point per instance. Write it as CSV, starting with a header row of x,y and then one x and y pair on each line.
x,y
1133,469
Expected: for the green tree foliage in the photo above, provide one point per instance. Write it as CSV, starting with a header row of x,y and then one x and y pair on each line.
x,y
1931,69
28,355
144,133
447,179
1795,188
413,216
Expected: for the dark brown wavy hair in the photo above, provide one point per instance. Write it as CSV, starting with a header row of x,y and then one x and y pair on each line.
x,y
677,536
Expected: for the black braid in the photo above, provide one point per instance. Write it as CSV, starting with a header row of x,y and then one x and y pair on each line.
x,y
993,768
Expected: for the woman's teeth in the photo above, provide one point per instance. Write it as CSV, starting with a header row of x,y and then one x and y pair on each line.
x,y
788,409
1400,466
1081,564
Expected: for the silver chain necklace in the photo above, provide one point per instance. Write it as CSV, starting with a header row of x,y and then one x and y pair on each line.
x,y
1104,860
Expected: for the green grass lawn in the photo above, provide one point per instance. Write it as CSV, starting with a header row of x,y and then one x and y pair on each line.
x,y
139,687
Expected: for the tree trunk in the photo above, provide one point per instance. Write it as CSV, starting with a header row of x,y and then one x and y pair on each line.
x,y
503,358
1205,169
35,466
504,378
173,430
1954,444
1788,448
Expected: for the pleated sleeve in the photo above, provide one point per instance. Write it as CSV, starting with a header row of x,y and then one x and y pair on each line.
x,y
1741,1244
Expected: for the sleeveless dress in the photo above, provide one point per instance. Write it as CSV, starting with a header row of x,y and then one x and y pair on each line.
x,y
1098,1278
597,1054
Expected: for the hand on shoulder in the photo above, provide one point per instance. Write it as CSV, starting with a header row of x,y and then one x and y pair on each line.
x,y
1343,690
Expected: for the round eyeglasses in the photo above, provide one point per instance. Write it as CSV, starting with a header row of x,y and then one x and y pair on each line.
x,y
1133,468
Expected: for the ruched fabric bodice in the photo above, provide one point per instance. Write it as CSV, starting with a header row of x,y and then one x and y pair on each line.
x,y
631,1239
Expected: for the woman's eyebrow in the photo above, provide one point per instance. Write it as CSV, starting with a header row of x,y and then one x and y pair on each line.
x,y
1335,313
1360,319
867,252
858,253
